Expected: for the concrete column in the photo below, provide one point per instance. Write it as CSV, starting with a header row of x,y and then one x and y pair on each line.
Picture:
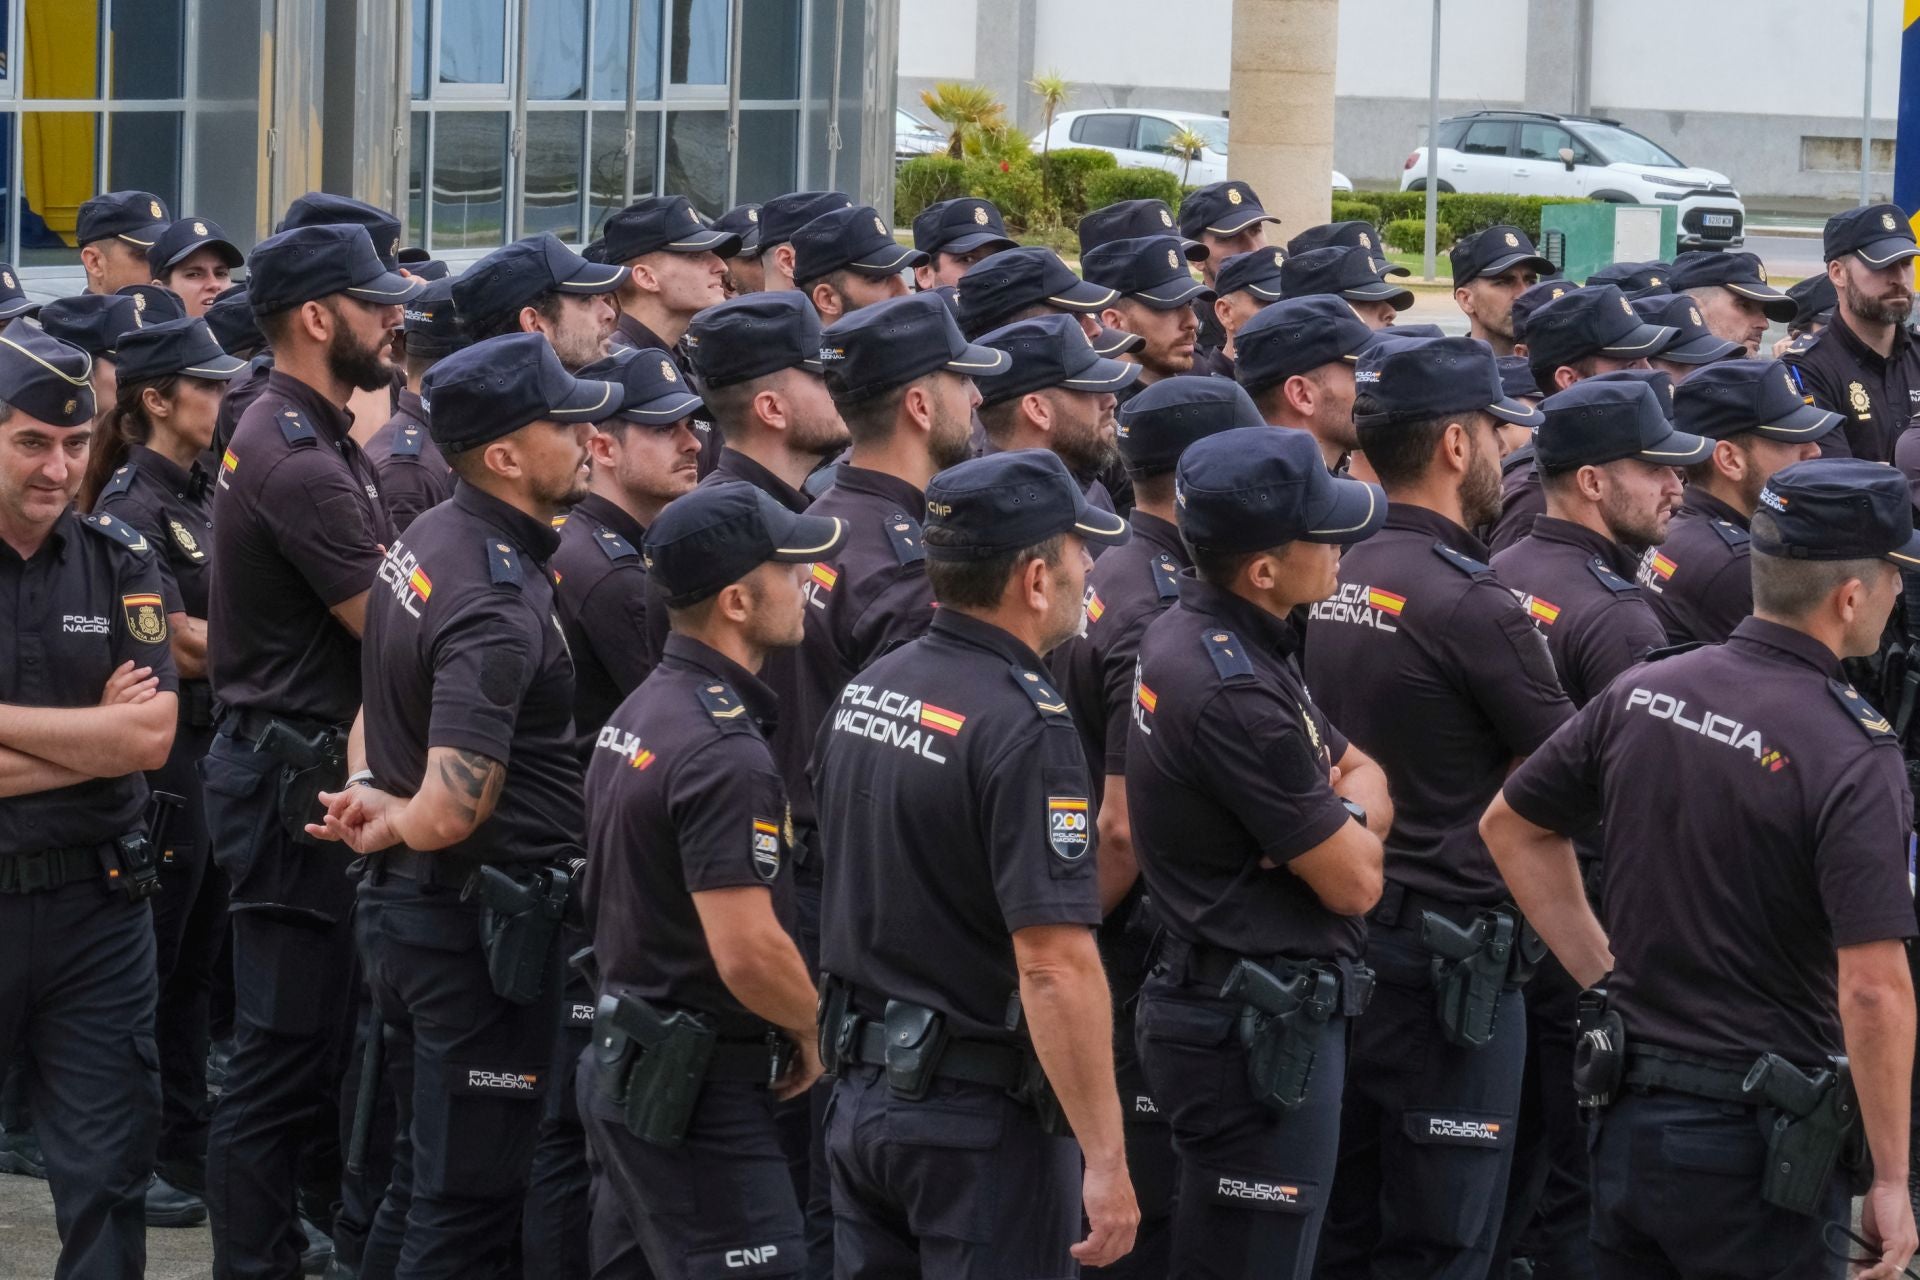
x,y
1003,35
1281,90
1559,55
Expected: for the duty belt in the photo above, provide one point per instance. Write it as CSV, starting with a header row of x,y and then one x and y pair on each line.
x,y
450,869
988,1062
248,723
1653,1067
48,869
1400,906
1198,965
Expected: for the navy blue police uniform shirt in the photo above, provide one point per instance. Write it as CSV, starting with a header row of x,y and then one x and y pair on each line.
x,y
413,473
1875,397
88,600
955,810
1579,587
463,651
629,332
1699,581
682,798
871,597
1129,587
235,400
1521,499
1227,768
600,584
298,527
1756,817
1433,668
172,507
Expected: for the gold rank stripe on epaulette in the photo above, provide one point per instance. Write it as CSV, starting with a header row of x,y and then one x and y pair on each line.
x,y
120,531
722,703
1864,713
1043,695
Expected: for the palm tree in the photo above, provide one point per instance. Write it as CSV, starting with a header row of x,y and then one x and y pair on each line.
x,y
1187,144
969,111
1051,89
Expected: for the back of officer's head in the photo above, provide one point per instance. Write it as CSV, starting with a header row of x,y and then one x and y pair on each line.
x,y
757,361
1830,539
901,366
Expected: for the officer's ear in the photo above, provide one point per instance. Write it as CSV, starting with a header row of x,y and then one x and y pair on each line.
x,y
1300,394
924,279
1730,460
1456,445
600,448
734,603
917,401
156,405
783,258
1591,482
825,301
1223,313
1836,270
1114,318
1033,583
1038,409
93,259
1463,298
1565,376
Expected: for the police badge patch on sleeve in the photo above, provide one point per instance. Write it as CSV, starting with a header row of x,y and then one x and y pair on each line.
x,y
146,622
1067,827
766,848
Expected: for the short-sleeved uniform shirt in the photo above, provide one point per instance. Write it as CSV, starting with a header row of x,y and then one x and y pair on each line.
x,y
629,332
298,527
236,400
464,651
1875,397
682,798
1130,587
172,507
1432,668
1700,580
1757,817
600,584
1521,499
413,473
88,600
1578,586
955,810
1228,768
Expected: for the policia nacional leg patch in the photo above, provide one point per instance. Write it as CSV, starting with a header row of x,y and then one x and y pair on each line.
x,y
146,618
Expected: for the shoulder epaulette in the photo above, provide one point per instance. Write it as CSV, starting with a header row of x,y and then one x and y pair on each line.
x,y
904,532
1801,345
1674,650
1731,534
408,441
616,547
297,430
1609,579
503,564
1461,560
1166,577
724,705
1045,697
122,480
118,531
1864,713
1229,658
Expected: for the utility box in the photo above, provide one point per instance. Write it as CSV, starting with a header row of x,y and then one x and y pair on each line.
x,y
1581,238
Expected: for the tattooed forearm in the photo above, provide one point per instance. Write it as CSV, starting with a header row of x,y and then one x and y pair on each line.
x,y
471,783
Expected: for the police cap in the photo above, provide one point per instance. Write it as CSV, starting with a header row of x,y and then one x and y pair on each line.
x,y
1296,336
491,291
1134,220
742,220
495,387
1221,209
1015,279
1340,235
783,215
1692,341
137,217
45,378
310,262
1814,299
185,237
231,318
1113,343
1349,271
1737,396
1256,271
1658,380
888,345
1635,279
709,539
986,507
1418,379
1156,426
1738,273
754,335
1516,378
1602,420
185,346
1494,250
1150,270
1255,488
13,299
422,264
1533,298
853,239
663,224
431,322
960,226
93,322
1879,235
323,208
1596,320
1046,351
652,392
1838,509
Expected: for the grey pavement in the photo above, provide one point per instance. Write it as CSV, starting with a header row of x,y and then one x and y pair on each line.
x,y
29,1244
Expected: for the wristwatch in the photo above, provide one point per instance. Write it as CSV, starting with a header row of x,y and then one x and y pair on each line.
x,y
1355,808
364,778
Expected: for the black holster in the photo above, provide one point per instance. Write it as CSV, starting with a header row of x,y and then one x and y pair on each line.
x,y
308,766
131,865
519,923
916,1038
1471,967
1813,1129
1600,1054
651,1065
1280,1026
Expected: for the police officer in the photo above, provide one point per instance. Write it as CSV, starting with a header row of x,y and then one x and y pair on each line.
x,y
1257,829
1244,284
14,301
745,272
1530,301
114,232
1228,219
194,258
1693,345
1157,295
1296,360
1018,284
1133,220
780,217
690,851
1572,334
1430,666
847,259
87,702
1732,293
1864,365
1766,862
960,898
538,285
298,532
1347,235
676,267
1697,580
956,235
1352,273
1635,279
414,475
147,475
95,322
1490,269
1814,299
1128,588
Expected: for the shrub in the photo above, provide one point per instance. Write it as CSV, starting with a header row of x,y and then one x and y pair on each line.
x,y
926,180
1012,185
1409,235
1068,171
1465,213
1345,210
1112,186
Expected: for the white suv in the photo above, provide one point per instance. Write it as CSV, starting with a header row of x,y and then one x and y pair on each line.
x,y
1528,153
1140,139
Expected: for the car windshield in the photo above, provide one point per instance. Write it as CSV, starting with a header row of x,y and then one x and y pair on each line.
x,y
1214,130
904,123
1620,145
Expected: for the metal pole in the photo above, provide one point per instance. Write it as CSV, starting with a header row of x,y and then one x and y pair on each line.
x,y
1433,146
1866,116
833,99
735,20
633,87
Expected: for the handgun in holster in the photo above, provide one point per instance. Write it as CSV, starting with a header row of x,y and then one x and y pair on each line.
x,y
838,1023
131,866
1815,1129
518,924
1034,1088
308,766
652,1065
1470,969
1280,1025
1600,1053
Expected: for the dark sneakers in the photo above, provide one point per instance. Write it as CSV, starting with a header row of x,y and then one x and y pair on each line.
x,y
20,1154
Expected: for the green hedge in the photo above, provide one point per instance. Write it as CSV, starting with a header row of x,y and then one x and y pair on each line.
x,y
1116,185
1345,210
1067,172
926,180
1467,214
1409,235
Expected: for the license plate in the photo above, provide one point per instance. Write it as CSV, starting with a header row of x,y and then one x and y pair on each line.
x,y
1717,220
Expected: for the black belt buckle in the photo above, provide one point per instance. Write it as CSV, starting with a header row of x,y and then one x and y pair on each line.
x,y
32,872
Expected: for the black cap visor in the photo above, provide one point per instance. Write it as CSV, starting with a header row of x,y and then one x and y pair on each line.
x,y
1178,292
1239,220
1884,253
1357,511
976,240
1095,525
583,401
1908,556
1512,260
1117,342
388,289
151,233
19,307
975,361
1805,423
705,240
1103,375
1639,341
593,277
1400,296
229,253
1676,449
888,259
749,245
1777,305
1083,295
662,411
1517,412
219,368
1705,349
807,538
